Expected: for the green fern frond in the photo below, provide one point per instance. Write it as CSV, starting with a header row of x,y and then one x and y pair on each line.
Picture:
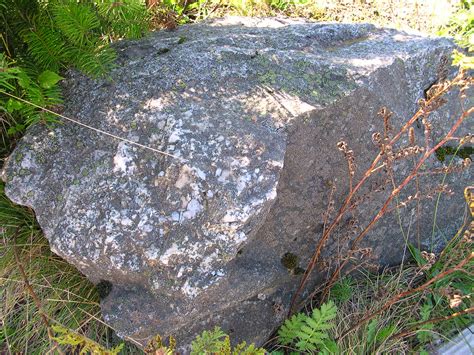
x,y
288,330
243,349
95,60
309,333
209,342
46,46
328,311
218,342
39,88
69,34
8,74
329,347
125,19
77,22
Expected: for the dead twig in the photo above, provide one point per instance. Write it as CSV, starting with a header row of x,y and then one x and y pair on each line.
x,y
428,106
394,193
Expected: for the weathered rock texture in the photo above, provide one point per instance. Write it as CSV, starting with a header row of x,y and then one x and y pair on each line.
x,y
252,110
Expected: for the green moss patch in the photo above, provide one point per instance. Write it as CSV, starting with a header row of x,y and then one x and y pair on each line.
x,y
462,153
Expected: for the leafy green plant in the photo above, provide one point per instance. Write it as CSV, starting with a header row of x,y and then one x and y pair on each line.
x,y
211,342
217,342
283,5
39,88
461,28
123,19
59,34
461,25
424,334
85,345
41,38
451,287
185,11
310,333
375,335
342,290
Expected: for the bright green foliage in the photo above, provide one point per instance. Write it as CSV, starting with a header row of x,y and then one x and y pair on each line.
x,y
464,61
63,33
209,342
95,62
124,19
217,342
385,333
424,335
185,10
439,302
48,79
377,334
243,349
461,27
283,5
288,330
77,22
342,290
371,332
45,45
76,341
310,333
38,88
41,38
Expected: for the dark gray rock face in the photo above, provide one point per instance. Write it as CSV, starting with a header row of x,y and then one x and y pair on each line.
x,y
251,111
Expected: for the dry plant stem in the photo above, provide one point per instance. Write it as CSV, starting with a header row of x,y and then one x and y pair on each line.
x,y
418,210
421,112
395,192
393,300
433,320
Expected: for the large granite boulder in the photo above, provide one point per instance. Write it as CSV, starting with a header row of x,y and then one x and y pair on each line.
x,y
249,111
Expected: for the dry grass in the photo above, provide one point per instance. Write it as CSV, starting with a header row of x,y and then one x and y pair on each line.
x,y
368,292
422,15
66,297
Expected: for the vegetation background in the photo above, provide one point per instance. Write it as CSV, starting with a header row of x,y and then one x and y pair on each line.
x,y
47,306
